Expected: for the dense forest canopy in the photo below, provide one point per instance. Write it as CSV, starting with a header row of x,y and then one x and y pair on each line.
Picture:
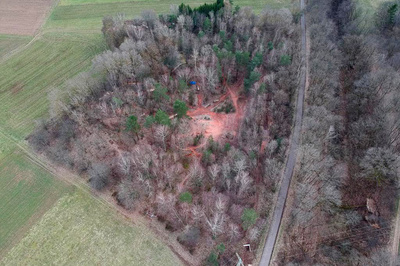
x,y
186,117
347,184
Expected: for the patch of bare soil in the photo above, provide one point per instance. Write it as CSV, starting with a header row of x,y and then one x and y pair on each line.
x,y
18,86
209,123
22,17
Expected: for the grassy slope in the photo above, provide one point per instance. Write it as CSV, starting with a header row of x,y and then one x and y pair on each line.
x,y
83,2
252,3
26,192
26,78
88,17
80,231
6,147
9,43
366,9
371,4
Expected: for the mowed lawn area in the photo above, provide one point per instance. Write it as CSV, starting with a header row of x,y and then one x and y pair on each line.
x,y
26,193
79,230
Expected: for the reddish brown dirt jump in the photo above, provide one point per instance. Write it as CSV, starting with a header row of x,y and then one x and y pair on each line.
x,y
22,17
209,123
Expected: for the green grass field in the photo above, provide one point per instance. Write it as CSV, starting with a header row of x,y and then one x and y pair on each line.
x,y
9,43
80,231
84,2
26,78
26,193
87,15
365,10
6,147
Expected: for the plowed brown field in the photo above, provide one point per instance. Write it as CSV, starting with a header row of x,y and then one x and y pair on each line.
x,y
22,17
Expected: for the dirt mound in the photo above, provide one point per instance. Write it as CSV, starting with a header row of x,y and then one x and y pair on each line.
x,y
218,125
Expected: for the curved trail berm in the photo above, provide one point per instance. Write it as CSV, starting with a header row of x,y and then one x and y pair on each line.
x,y
291,161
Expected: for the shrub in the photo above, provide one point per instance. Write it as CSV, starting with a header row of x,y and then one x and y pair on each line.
x,y
117,102
185,163
249,218
392,13
253,78
40,139
242,58
227,147
132,124
270,46
212,145
197,139
212,260
182,85
207,24
228,45
185,9
221,248
171,59
206,158
186,197
99,174
180,108
229,108
222,34
65,130
257,61
162,118
59,154
160,93
150,120
262,89
127,195
190,238
285,60
203,9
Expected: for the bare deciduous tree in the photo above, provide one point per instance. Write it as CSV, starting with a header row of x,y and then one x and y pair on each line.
x,y
216,223
125,163
161,134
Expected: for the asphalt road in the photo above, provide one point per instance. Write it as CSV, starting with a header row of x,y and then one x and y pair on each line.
x,y
291,162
